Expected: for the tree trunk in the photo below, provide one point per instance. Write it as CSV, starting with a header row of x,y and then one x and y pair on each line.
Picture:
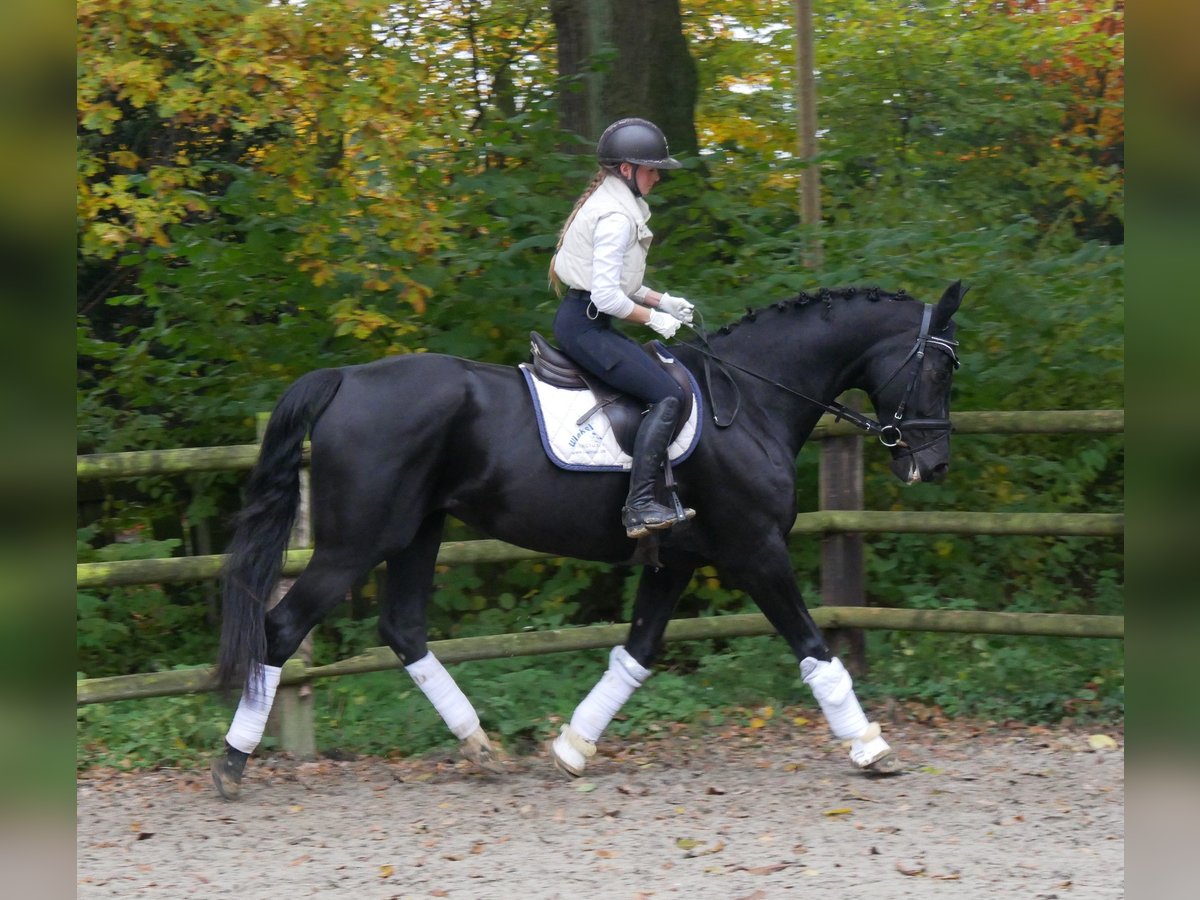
x,y
620,58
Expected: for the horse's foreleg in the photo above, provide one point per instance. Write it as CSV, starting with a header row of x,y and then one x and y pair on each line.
x,y
773,586
402,624
628,667
318,589
833,689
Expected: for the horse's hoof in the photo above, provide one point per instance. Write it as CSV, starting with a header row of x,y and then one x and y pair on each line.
x,y
885,766
227,778
570,752
869,751
478,749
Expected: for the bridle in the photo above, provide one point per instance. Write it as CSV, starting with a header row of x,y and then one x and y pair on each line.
x,y
890,434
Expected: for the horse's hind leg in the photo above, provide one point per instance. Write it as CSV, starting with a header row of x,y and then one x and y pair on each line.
x,y
628,667
402,624
318,589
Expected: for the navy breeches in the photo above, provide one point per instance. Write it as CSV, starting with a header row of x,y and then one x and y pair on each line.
x,y
608,354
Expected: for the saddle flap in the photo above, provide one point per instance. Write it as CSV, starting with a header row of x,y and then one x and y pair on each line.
x,y
554,367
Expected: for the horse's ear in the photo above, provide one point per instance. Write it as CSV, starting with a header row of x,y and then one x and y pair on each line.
x,y
947,306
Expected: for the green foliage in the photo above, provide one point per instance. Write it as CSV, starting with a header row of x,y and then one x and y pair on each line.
x,y
999,678
139,628
164,731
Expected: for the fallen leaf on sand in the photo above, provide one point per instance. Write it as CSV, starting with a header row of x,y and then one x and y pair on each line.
x,y
1101,742
705,851
387,871
840,811
910,868
768,870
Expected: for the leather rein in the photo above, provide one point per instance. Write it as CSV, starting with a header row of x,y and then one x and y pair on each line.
x,y
890,434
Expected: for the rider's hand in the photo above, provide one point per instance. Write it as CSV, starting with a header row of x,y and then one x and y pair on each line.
x,y
663,324
677,307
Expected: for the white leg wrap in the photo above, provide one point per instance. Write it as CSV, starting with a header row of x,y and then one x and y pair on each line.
x,y
250,720
450,702
624,676
834,691
577,742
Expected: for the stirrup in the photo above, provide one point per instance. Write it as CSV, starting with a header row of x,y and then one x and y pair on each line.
x,y
653,517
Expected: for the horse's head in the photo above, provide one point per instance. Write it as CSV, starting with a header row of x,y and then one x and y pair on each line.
x,y
912,397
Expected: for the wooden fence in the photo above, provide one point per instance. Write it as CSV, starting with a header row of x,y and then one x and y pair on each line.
x,y
841,487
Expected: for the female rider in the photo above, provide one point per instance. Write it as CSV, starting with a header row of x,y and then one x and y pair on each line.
x,y
601,259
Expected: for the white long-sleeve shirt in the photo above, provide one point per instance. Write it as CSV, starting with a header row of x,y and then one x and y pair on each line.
x,y
611,240
604,248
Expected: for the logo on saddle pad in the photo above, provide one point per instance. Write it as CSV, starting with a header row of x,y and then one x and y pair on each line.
x,y
576,429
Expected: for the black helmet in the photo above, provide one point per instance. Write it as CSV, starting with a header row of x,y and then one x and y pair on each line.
x,y
635,141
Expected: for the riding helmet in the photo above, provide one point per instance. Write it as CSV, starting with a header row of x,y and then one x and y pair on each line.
x,y
636,141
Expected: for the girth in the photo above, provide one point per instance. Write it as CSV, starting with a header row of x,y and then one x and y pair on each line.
x,y
625,413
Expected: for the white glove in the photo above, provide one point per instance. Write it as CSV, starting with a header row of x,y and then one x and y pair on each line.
x,y
677,307
663,324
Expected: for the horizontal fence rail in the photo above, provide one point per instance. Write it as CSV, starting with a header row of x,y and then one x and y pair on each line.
x,y
826,522
202,568
137,463
592,637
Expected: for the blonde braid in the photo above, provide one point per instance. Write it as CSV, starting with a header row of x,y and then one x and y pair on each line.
x,y
597,180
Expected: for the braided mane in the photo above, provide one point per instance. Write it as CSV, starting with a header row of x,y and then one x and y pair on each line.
x,y
824,296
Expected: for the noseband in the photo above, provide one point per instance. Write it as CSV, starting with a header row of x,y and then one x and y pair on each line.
x,y
890,434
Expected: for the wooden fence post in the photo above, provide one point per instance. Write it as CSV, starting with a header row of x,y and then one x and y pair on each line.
x,y
291,718
842,575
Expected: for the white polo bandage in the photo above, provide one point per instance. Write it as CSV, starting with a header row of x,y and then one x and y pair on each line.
x,y
834,691
450,702
250,720
624,676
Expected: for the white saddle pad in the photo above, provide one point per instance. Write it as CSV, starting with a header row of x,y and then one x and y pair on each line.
x,y
591,445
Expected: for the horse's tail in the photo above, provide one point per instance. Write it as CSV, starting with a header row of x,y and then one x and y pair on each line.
x,y
255,554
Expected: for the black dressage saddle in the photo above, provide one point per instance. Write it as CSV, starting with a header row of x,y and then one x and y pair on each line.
x,y
625,413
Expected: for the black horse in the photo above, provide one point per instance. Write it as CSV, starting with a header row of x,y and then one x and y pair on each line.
x,y
399,444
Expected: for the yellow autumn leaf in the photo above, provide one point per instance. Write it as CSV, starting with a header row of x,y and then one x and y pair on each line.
x,y
840,811
800,720
387,871
1101,742
756,722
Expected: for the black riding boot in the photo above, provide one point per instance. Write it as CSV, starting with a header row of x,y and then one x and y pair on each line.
x,y
642,513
